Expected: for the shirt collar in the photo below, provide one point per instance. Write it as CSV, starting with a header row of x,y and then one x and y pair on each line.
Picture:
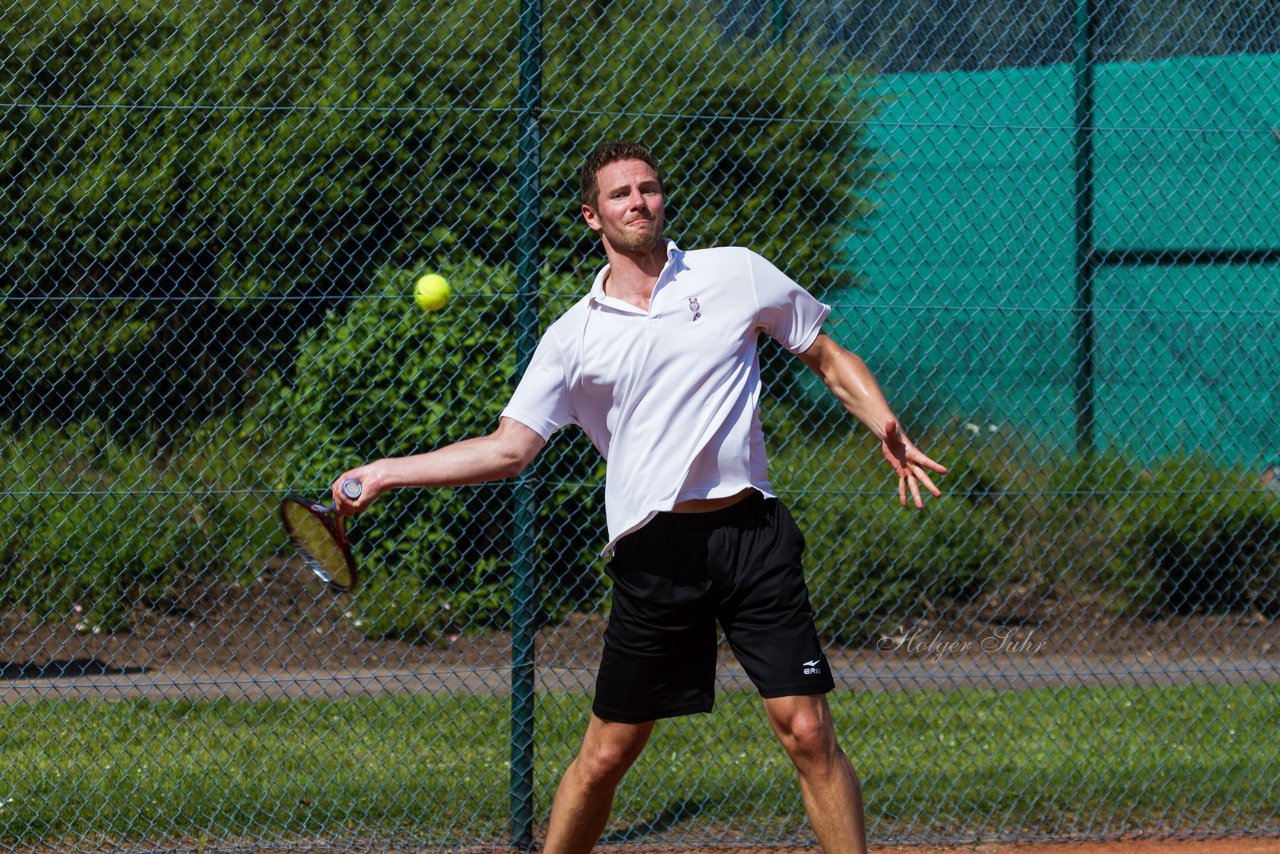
x,y
599,297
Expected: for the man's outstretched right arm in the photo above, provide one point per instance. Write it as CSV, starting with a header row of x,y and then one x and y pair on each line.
x,y
501,454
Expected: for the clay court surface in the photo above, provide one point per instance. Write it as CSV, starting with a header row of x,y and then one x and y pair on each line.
x,y
1134,846
1130,846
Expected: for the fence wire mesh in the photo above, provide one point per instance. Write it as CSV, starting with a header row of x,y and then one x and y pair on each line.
x,y
1050,228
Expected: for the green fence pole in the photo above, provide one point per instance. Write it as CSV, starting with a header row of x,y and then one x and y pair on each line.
x,y
780,17
1085,254
528,264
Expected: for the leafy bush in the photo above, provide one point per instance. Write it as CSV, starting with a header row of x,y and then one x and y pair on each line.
x,y
871,563
884,566
302,147
1186,535
1091,481
387,379
95,525
1201,538
744,131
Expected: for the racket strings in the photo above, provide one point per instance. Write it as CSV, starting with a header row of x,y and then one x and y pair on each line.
x,y
317,545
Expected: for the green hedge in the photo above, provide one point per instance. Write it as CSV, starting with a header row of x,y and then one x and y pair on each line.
x,y
873,564
94,522
298,149
90,521
388,379
1201,538
1187,536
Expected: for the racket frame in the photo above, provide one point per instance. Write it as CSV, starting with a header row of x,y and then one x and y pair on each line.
x,y
332,522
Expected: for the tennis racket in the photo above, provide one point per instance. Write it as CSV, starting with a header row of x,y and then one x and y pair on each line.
x,y
316,532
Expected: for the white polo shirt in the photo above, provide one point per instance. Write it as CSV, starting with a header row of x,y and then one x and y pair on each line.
x,y
670,397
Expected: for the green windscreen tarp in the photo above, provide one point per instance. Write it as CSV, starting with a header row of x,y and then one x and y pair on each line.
x,y
966,310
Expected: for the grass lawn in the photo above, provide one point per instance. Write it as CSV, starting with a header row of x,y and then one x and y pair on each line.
x,y
434,769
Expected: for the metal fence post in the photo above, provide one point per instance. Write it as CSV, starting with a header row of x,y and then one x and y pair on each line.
x,y
1085,256
780,16
524,590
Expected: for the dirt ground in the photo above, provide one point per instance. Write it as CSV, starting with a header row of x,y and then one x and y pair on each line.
x,y
283,623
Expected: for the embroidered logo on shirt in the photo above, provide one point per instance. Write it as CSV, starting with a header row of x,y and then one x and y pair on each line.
x,y
695,308
812,668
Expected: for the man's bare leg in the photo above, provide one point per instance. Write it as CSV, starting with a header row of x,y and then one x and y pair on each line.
x,y
832,794
584,798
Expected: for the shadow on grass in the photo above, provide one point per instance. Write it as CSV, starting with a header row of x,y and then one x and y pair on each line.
x,y
10,670
676,812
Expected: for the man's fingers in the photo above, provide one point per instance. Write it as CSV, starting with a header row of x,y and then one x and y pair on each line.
x,y
909,480
910,464
920,459
928,484
915,493
930,464
344,505
341,503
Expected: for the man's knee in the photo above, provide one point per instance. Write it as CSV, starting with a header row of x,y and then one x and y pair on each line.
x,y
808,736
608,752
605,765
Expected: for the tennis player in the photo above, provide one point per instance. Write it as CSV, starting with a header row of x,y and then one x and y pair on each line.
x,y
659,365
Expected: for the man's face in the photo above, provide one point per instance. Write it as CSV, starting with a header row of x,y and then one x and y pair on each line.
x,y
629,208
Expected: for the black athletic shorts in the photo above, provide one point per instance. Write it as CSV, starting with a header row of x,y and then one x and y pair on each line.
x,y
679,574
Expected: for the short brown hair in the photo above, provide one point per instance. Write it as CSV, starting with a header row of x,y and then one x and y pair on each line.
x,y
611,152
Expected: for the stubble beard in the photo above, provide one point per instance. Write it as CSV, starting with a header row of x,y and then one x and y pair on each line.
x,y
631,242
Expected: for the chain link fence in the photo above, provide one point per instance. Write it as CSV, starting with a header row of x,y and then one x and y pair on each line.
x,y
1050,229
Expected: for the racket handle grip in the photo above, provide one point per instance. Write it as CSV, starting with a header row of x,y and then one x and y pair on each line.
x,y
351,489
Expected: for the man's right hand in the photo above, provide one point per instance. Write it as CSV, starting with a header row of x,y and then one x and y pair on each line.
x,y
372,484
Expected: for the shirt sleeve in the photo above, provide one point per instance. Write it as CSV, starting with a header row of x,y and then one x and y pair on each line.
x,y
541,399
787,312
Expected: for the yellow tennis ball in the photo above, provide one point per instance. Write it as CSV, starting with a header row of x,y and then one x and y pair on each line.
x,y
431,292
